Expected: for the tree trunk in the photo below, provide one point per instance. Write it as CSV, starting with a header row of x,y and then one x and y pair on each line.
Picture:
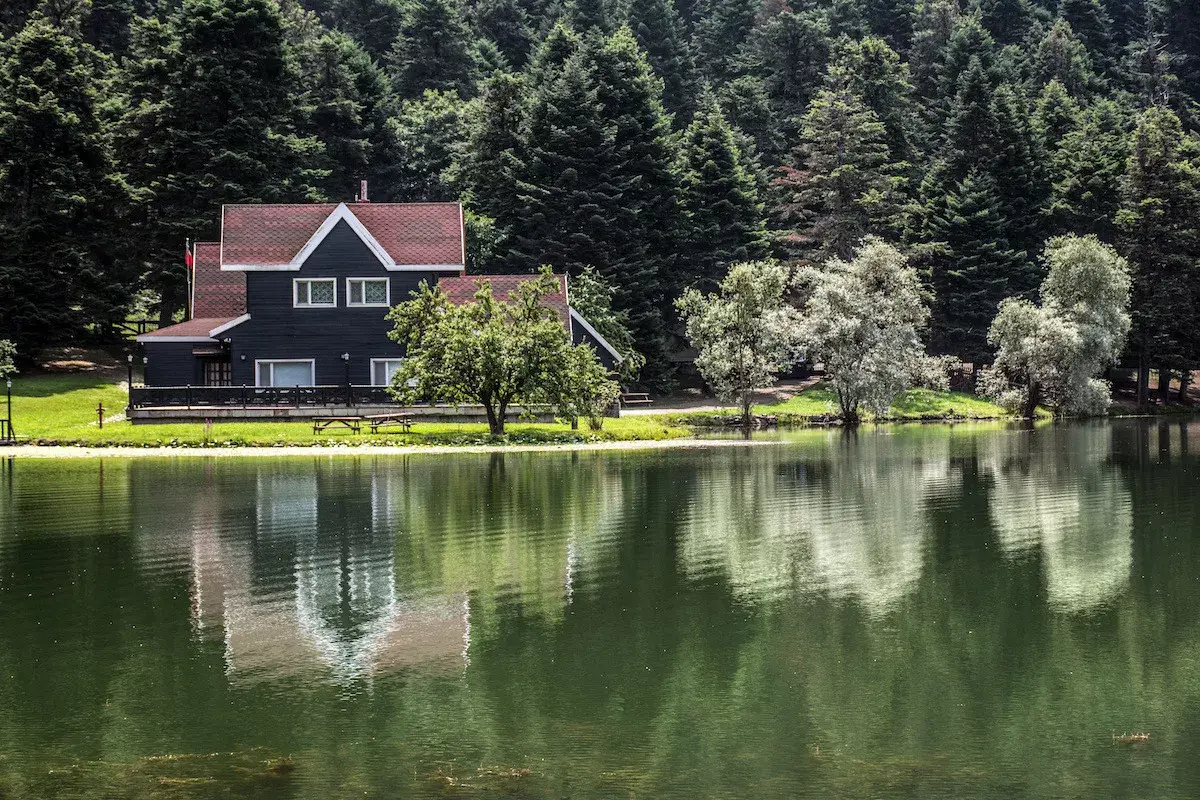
x,y
495,423
747,417
1031,401
1143,382
1164,386
1185,380
501,413
574,422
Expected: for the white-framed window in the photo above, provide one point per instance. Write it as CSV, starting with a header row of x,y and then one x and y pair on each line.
x,y
382,370
314,293
368,292
285,372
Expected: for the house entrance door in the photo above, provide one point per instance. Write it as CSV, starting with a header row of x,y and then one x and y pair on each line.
x,y
218,372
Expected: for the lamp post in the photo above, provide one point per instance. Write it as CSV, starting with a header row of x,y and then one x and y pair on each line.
x,y
8,395
129,384
346,361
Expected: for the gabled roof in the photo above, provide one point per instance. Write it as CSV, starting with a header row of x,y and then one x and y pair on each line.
x,y
215,293
462,289
403,236
202,329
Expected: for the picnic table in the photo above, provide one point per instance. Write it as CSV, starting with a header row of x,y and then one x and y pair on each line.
x,y
401,420
322,423
635,399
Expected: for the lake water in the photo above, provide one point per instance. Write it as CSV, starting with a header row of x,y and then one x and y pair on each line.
x,y
920,612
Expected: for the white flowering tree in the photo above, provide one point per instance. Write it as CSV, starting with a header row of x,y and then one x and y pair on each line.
x,y
864,319
1052,354
745,334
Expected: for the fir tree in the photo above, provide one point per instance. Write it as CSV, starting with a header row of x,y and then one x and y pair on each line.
x,y
972,267
213,119
841,185
1158,220
507,24
1091,24
1088,169
61,198
1056,115
1008,21
433,50
745,105
725,217
660,34
1018,166
374,24
492,160
788,51
429,136
721,28
338,117
933,26
1062,57
560,44
876,74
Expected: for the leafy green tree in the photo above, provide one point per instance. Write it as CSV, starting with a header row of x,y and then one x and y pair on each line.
x,y
842,184
492,352
433,50
580,386
725,221
62,198
8,359
429,135
212,118
863,320
746,334
593,297
1051,353
1160,237
660,34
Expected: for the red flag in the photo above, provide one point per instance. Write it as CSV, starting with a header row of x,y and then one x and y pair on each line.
x,y
187,255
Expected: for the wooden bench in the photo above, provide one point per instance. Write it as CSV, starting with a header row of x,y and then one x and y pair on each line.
x,y
400,420
322,423
635,399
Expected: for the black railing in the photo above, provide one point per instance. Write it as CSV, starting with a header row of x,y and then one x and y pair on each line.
x,y
259,396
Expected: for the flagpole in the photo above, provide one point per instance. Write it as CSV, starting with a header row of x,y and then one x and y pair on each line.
x,y
191,284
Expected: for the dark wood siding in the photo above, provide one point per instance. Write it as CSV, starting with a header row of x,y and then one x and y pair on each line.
x,y
580,335
171,364
277,330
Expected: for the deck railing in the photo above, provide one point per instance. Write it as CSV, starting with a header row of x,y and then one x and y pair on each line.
x,y
258,396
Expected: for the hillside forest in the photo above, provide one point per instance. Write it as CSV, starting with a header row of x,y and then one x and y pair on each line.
x,y
656,141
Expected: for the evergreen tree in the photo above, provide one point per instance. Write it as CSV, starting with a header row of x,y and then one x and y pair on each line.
x,y
374,24
721,28
108,24
932,28
212,119
1091,24
969,44
788,51
1062,57
492,162
971,268
876,74
1161,238
745,105
969,128
1008,21
1056,115
429,136
507,24
724,214
560,44
1088,170
586,16
1018,166
433,50
841,185
659,32
61,197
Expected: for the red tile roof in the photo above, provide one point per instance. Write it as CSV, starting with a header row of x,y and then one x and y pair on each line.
x,y
199,327
216,293
462,289
411,233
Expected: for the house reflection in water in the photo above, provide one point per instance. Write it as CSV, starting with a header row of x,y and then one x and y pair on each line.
x,y
313,587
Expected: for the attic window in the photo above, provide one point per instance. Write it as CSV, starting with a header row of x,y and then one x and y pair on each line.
x,y
367,292
314,293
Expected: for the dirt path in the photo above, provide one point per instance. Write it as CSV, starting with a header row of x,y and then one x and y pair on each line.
x,y
693,400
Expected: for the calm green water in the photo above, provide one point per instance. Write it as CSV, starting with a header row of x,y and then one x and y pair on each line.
x,y
926,612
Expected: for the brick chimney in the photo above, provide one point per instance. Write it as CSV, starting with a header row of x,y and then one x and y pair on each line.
x,y
361,197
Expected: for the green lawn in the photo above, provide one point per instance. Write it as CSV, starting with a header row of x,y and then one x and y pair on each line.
x,y
819,404
62,410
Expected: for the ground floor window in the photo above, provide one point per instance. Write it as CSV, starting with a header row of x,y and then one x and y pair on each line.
x,y
285,372
382,370
217,372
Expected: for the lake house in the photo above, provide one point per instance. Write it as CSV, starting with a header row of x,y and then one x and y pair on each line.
x,y
297,296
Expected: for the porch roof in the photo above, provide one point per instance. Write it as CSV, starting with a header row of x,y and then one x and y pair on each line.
x,y
201,329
